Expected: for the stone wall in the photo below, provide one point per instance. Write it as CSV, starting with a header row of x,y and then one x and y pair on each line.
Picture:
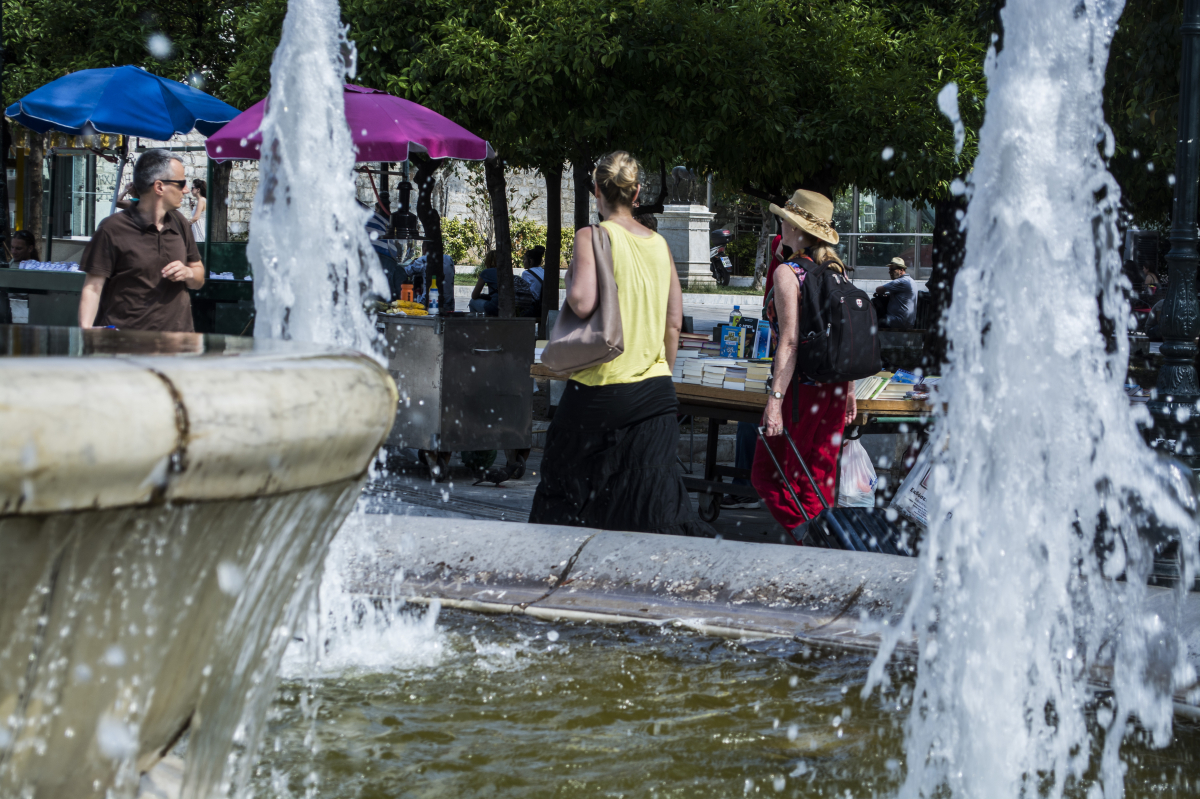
x,y
456,195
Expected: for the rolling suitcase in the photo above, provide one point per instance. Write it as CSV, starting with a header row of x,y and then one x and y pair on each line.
x,y
854,529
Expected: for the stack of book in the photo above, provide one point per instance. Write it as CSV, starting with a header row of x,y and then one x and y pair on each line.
x,y
714,371
690,370
758,377
869,387
692,342
735,377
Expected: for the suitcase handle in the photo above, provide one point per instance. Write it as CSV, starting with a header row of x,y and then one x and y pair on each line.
x,y
762,431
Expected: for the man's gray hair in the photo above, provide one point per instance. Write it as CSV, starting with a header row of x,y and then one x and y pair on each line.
x,y
151,166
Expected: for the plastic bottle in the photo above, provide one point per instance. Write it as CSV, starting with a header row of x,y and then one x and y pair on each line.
x,y
432,305
735,316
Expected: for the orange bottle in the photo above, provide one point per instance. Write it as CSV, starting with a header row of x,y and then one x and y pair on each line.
x,y
406,292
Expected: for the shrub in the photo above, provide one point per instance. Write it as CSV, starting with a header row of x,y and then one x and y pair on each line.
x,y
462,240
742,251
527,234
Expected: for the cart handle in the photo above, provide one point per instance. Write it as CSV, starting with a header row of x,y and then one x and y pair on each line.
x,y
495,349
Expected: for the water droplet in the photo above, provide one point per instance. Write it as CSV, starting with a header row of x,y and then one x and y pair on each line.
x,y
114,738
114,656
230,578
552,636
887,154
160,46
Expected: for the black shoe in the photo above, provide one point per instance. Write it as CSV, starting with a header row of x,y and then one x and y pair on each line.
x,y
729,501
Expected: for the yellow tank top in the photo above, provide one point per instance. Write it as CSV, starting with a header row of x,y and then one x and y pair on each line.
x,y
642,267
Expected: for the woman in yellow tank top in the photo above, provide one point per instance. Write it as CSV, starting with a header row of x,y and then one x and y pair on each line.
x,y
610,459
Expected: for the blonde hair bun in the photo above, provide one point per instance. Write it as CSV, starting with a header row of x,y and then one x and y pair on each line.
x,y
616,175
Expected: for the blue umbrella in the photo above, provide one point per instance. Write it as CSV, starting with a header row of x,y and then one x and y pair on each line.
x,y
123,100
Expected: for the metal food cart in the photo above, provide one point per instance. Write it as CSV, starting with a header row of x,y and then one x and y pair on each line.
x,y
464,383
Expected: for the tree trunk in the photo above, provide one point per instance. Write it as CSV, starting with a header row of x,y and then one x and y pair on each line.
x,y
497,188
553,176
218,198
431,221
762,256
949,248
33,179
582,172
5,231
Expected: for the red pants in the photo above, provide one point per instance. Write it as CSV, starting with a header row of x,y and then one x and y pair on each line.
x,y
822,420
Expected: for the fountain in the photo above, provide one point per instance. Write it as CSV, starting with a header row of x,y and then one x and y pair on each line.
x,y
165,503
1043,481
164,560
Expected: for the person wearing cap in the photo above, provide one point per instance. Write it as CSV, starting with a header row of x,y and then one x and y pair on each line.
x,y
901,297
824,408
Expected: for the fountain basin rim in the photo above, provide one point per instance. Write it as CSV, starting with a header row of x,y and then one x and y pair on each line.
x,y
107,432
731,589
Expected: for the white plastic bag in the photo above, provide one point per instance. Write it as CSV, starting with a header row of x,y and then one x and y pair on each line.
x,y
857,488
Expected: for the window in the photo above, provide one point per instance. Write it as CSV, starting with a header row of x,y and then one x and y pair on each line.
x,y
874,230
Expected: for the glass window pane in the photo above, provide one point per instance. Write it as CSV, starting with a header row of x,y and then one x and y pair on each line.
x,y
843,206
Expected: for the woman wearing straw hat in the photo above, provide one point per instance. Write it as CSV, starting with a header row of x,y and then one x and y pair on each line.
x,y
824,408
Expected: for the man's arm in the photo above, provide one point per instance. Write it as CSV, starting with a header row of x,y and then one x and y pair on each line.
x,y
89,300
190,274
890,286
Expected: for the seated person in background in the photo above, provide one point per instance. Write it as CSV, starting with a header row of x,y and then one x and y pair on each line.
x,y
445,285
901,293
1149,279
533,277
23,248
486,304
527,303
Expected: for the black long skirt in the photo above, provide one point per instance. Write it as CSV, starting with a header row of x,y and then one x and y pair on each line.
x,y
610,462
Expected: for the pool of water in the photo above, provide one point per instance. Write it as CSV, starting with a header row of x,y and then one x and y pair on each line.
x,y
500,706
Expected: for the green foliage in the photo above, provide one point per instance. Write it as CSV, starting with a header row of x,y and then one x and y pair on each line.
x,y
46,39
527,234
462,240
775,93
1141,99
744,246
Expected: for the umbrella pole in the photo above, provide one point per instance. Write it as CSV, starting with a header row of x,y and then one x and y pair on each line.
x,y
112,209
50,216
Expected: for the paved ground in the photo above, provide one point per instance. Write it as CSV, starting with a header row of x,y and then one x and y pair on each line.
x,y
408,491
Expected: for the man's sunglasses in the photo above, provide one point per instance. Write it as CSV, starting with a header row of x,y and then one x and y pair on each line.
x,y
180,183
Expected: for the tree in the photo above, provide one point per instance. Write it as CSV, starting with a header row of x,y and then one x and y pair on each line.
x,y
47,39
1141,103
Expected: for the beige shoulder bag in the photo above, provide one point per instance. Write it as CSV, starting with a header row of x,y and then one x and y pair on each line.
x,y
577,344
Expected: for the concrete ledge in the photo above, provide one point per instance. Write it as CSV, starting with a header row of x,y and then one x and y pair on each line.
x,y
104,432
726,588
722,587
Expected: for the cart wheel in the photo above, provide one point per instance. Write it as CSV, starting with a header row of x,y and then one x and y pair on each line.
x,y
710,507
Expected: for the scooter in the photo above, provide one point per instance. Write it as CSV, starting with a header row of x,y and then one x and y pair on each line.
x,y
718,262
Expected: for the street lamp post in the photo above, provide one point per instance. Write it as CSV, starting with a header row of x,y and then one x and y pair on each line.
x,y
1174,405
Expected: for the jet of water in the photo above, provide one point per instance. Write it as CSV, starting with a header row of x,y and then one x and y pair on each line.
x,y
1041,479
314,267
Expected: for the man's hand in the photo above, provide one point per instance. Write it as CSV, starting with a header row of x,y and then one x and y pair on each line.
x,y
190,274
176,271
851,406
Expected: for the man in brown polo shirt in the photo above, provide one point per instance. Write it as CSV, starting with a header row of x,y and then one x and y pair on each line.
x,y
141,262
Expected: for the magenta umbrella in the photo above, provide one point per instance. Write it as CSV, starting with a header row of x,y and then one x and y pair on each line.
x,y
384,128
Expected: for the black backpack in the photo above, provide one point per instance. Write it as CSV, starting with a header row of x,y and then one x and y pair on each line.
x,y
838,328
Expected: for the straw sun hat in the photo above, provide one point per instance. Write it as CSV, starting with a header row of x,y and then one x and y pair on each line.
x,y
811,212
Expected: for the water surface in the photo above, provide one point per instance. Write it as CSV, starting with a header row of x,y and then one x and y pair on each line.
x,y
506,706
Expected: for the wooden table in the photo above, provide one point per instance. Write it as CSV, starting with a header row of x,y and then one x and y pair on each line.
x,y
720,406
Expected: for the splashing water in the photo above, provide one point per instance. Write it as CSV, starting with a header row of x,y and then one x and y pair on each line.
x,y
347,632
314,268
1038,449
